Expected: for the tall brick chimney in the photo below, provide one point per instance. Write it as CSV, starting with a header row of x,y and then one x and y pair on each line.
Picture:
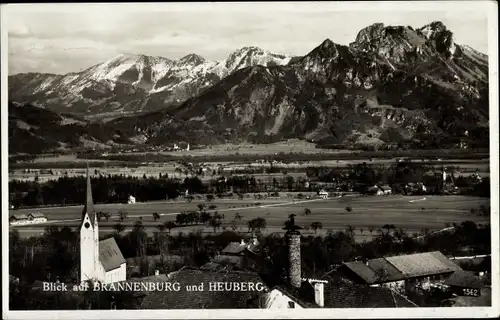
x,y
294,259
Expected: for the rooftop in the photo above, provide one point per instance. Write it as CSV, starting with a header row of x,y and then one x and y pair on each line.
x,y
110,255
465,279
402,267
205,299
423,264
342,294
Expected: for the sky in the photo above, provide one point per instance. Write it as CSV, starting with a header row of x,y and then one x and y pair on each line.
x,y
62,38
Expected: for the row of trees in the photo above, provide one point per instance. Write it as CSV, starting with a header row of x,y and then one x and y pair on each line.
x,y
117,188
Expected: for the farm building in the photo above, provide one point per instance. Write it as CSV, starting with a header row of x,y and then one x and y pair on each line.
x,y
37,217
379,190
131,200
323,194
466,283
237,256
18,219
401,273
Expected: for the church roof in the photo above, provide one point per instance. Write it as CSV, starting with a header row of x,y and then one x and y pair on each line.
x,y
110,255
88,207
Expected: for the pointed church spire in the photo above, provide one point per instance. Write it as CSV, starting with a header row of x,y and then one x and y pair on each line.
x,y
88,207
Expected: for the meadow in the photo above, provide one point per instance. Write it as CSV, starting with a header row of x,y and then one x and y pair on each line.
x,y
367,214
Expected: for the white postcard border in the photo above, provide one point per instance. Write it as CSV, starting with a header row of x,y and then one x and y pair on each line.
x,y
490,8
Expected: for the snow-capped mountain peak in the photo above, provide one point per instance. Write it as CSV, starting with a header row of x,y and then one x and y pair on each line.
x,y
192,59
134,82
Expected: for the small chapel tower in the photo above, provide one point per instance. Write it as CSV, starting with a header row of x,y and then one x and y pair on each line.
x,y
89,238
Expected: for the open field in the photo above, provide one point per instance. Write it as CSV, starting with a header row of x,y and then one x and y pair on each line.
x,y
463,167
409,213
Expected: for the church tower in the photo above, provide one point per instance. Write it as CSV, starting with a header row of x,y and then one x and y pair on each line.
x,y
89,238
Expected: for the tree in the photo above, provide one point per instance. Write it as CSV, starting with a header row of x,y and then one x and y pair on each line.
x,y
107,215
307,211
201,206
348,209
212,207
205,217
215,223
237,216
257,224
316,225
156,216
210,197
389,227
123,215
169,225
180,218
119,228
162,241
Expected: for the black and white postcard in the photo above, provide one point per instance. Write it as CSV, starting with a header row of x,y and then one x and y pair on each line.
x,y
250,160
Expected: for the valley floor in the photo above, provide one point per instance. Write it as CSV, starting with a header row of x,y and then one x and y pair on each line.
x,y
411,213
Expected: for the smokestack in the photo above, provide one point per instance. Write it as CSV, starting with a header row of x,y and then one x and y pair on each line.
x,y
294,272
319,294
294,260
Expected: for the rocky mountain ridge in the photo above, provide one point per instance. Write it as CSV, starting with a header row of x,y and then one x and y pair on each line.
x,y
132,82
392,87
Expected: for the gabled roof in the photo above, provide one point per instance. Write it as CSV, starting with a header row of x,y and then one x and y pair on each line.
x,y
239,248
465,279
402,267
444,260
375,271
385,187
19,216
342,294
206,299
110,255
37,215
422,264
234,248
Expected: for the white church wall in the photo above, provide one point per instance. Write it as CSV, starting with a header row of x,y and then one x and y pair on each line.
x,y
115,275
87,250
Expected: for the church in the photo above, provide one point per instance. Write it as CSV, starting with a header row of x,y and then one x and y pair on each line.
x,y
99,260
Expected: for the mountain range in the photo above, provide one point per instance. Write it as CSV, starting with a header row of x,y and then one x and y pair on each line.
x,y
131,83
392,86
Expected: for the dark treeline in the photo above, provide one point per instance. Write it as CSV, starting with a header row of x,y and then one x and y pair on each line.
x,y
298,156
117,188
55,255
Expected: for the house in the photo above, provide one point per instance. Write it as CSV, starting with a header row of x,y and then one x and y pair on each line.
x,y
415,188
401,273
465,283
323,194
379,190
375,190
37,217
99,260
131,200
340,293
237,256
18,218
386,190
